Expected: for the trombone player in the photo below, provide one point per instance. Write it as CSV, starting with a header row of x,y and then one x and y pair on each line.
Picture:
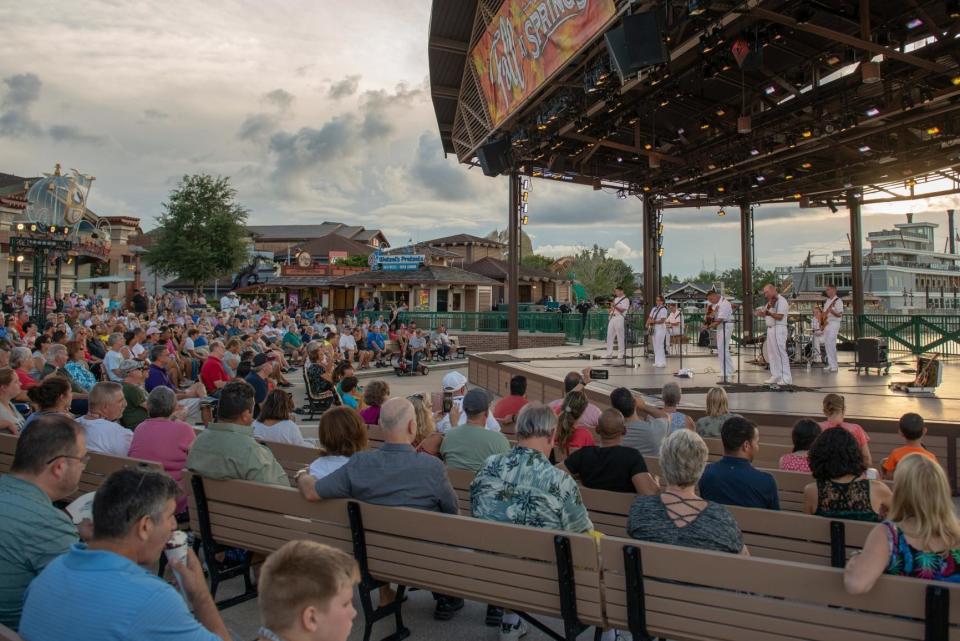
x,y
617,311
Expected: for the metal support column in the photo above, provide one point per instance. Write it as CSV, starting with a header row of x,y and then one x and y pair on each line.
x,y
856,258
513,264
746,265
651,259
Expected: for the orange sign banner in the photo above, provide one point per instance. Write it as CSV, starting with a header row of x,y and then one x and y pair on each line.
x,y
527,42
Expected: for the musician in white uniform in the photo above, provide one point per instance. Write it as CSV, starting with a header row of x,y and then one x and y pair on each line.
x,y
722,313
775,314
618,309
674,325
833,312
658,322
816,328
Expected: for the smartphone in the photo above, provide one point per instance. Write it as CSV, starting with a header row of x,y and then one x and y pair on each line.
x,y
447,404
599,374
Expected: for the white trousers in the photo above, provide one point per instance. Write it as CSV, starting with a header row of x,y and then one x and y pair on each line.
x,y
830,340
723,332
659,345
615,331
816,347
779,361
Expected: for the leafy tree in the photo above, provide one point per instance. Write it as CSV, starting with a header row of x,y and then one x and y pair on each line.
x,y
536,261
600,274
354,261
503,236
201,232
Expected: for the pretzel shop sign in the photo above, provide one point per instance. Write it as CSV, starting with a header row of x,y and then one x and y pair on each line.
x,y
527,42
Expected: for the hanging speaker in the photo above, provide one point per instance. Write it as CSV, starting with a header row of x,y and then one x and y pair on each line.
x,y
636,44
493,157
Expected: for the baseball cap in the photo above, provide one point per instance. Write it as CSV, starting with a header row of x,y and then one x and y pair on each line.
x,y
476,401
128,365
261,359
452,381
152,330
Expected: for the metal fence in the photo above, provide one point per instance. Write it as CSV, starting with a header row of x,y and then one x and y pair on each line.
x,y
913,334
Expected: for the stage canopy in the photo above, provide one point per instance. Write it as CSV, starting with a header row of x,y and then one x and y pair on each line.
x,y
757,101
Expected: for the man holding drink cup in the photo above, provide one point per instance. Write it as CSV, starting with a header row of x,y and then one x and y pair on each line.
x,y
101,591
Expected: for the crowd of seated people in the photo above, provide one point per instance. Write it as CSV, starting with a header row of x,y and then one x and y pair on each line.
x,y
136,407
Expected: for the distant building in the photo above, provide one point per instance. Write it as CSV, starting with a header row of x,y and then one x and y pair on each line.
x,y
902,270
280,238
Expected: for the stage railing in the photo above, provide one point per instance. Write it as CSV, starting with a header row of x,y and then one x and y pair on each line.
x,y
913,334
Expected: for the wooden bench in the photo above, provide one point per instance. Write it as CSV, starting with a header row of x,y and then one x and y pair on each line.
x,y
684,593
534,571
292,458
96,471
769,456
6,634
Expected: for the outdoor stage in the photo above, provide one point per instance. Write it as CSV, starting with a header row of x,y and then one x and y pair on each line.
x,y
868,397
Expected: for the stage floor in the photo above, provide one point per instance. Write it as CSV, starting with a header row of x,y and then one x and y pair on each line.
x,y
867,395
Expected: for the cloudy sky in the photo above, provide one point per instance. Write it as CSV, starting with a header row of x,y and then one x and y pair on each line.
x,y
317,110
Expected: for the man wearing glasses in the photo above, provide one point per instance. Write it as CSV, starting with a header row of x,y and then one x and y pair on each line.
x,y
46,467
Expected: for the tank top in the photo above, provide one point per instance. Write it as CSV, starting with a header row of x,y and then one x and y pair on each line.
x,y
846,500
906,560
678,421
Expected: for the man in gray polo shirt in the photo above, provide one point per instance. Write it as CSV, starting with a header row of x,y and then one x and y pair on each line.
x,y
643,434
47,465
395,474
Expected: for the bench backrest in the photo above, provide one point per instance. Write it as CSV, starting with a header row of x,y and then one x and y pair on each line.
x,y
461,480
6,634
97,470
292,457
789,484
688,593
768,457
261,518
499,564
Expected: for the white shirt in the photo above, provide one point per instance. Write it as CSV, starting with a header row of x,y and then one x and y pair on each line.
x,y
723,311
837,307
620,306
112,361
280,432
444,426
326,465
106,436
780,306
659,313
347,342
675,322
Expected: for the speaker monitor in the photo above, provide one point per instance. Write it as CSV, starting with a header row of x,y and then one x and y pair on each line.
x,y
636,44
872,350
493,157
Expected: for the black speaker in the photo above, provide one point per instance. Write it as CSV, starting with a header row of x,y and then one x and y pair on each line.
x,y
493,157
636,44
872,350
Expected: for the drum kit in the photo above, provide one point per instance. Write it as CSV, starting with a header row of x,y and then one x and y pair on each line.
x,y
799,347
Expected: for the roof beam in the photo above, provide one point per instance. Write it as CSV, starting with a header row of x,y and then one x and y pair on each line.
x,y
441,91
449,45
846,39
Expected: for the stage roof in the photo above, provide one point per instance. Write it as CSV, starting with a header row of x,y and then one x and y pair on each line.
x,y
822,121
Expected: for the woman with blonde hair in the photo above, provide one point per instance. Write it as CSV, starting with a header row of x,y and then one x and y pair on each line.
x,y
570,435
718,411
834,406
428,439
920,539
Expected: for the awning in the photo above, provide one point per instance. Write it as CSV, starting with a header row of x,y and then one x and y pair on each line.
x,y
107,279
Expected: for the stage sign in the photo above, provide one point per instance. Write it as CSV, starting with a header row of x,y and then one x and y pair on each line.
x,y
396,262
527,42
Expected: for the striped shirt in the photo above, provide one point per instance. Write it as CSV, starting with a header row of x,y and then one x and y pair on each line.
x,y
96,595
32,534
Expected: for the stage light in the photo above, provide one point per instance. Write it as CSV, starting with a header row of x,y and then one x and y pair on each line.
x,y
648,146
19,226
33,228
647,188
523,208
953,9
832,60
770,90
525,220
870,72
956,81
872,111
797,196
721,112
914,23
807,133
525,184
696,7
20,258
681,131
619,158
704,125
933,131
760,179
863,149
53,229
660,252
788,176
806,165
754,152
721,213
721,189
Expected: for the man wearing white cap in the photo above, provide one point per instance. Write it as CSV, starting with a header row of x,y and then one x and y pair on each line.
x,y
455,386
